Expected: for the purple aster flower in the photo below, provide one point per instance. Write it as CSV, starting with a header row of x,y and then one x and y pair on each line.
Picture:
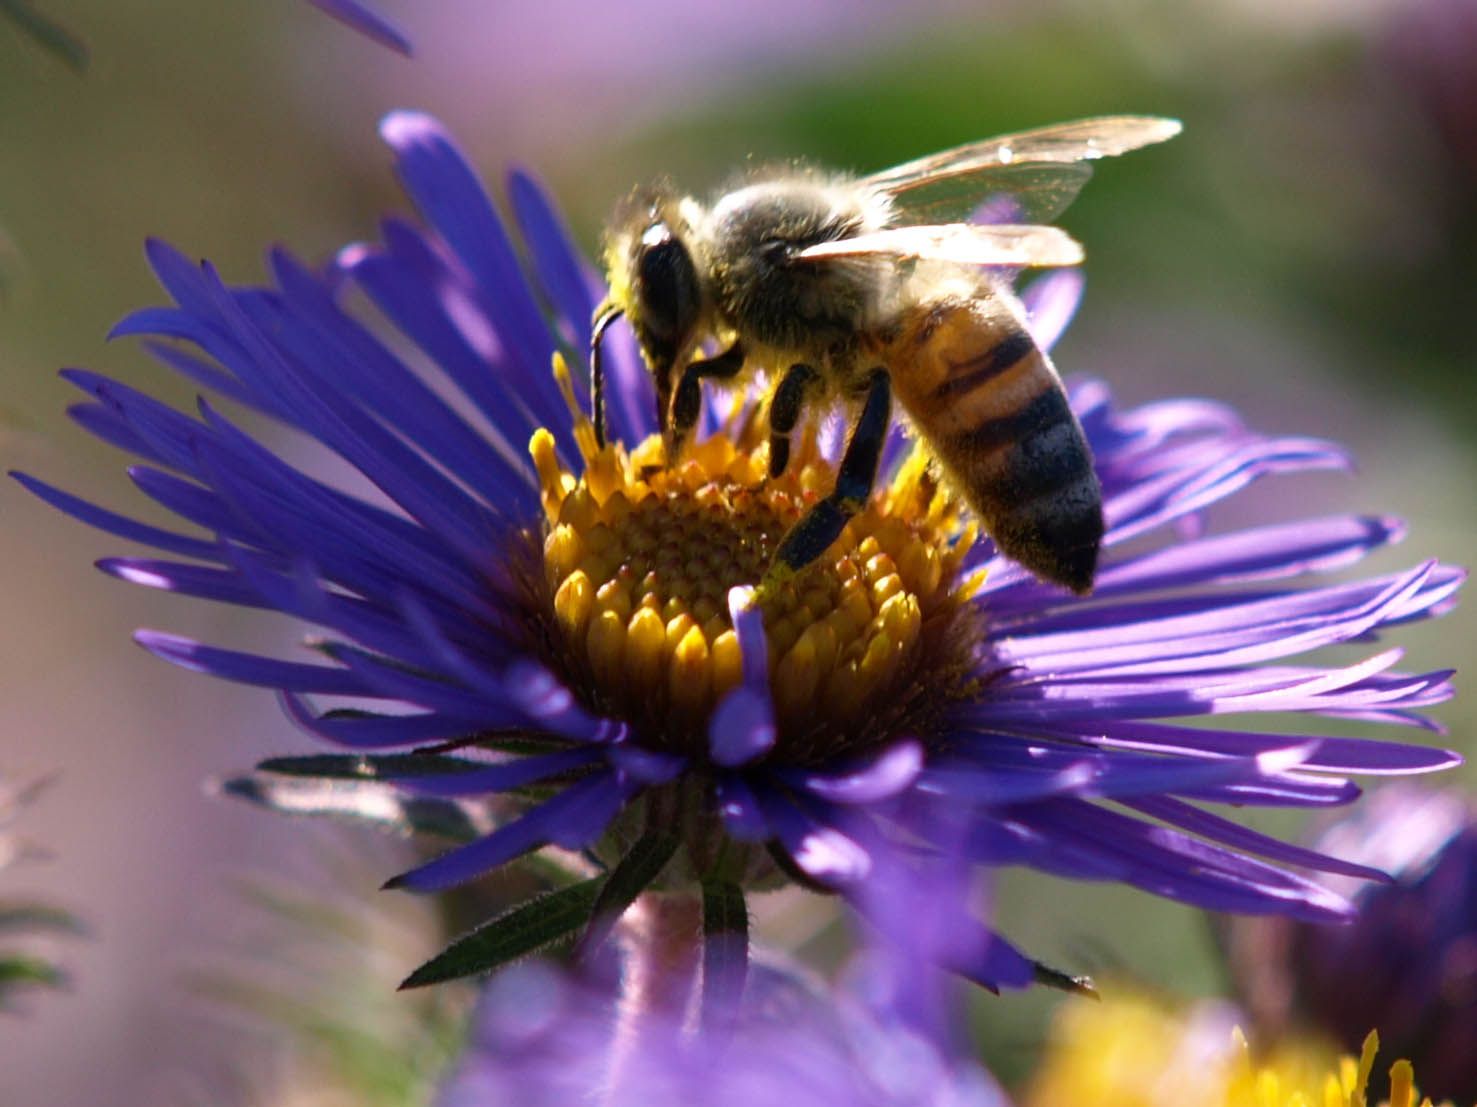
x,y
541,1039
1408,964
577,635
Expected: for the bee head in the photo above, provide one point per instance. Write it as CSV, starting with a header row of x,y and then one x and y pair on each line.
x,y
653,282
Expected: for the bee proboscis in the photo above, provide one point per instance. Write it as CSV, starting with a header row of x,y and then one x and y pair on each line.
x,y
861,288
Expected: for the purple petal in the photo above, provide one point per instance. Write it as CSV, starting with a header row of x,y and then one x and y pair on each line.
x,y
119,525
1050,302
245,668
888,774
573,818
363,730
741,729
822,852
740,810
1191,818
366,21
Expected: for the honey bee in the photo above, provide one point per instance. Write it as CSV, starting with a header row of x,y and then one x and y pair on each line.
x,y
850,289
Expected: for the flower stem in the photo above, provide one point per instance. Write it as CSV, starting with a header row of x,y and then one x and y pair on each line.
x,y
661,937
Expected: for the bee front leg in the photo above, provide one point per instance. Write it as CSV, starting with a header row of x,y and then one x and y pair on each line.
x,y
821,525
687,401
784,413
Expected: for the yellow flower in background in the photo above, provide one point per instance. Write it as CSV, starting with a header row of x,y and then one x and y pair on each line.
x,y
1134,1051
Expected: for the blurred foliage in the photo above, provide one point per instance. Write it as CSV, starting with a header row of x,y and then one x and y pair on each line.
x,y
26,926
321,970
50,35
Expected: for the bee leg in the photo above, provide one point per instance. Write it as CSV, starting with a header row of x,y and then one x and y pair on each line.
x,y
820,527
687,401
784,413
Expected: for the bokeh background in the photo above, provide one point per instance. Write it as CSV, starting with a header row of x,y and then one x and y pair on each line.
x,y
1305,251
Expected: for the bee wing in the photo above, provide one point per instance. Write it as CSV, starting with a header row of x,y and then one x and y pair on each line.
x,y
1040,171
1004,244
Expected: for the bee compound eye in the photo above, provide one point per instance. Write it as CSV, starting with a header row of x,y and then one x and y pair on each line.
x,y
668,285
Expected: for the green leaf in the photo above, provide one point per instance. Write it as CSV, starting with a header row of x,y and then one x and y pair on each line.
x,y
18,918
626,881
18,970
367,766
366,801
50,35
525,929
725,953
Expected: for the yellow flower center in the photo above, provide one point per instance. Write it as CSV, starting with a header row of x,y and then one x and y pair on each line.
x,y
638,558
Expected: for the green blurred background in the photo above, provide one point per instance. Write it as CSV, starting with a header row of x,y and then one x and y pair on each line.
x,y
1304,251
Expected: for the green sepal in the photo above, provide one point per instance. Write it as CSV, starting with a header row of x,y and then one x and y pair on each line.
x,y
527,928
630,877
725,953
1049,977
395,766
366,801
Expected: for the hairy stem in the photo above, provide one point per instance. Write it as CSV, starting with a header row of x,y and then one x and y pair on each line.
x,y
661,938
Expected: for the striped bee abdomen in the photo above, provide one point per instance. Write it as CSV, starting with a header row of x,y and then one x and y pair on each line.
x,y
991,406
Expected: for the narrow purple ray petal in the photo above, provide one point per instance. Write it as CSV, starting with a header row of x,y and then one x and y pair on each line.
x,y
366,731
221,585
547,702
741,729
888,774
402,474
575,817
1188,817
1243,634
645,767
993,778
740,810
742,726
1051,301
445,188
1094,843
559,269
368,22
325,341
823,852
115,524
429,297
245,668
1333,754
386,679
1262,553
204,373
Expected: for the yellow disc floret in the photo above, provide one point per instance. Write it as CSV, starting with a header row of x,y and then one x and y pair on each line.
x,y
639,556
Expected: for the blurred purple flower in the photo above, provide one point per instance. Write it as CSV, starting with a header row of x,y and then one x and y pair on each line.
x,y
1407,966
1027,720
540,1039
1432,47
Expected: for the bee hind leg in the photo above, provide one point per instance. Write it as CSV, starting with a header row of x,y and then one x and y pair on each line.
x,y
821,525
687,401
784,413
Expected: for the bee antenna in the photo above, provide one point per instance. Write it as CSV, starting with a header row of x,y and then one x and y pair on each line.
x,y
605,315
